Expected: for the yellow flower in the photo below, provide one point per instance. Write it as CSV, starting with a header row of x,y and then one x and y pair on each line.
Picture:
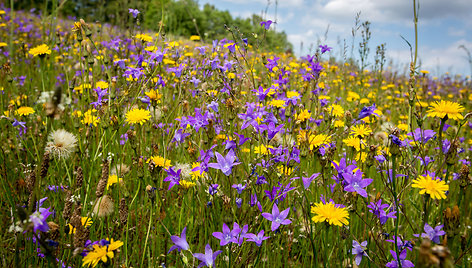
x,y
159,161
138,116
101,84
284,170
86,222
186,184
90,119
292,94
353,141
303,115
277,103
435,187
336,110
40,50
3,44
194,37
333,214
263,149
360,131
101,253
24,110
318,140
144,37
154,95
112,179
352,96
446,108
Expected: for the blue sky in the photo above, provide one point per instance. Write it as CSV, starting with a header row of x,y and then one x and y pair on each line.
x,y
443,27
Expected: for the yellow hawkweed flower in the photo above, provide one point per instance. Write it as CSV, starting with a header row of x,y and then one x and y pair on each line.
x,y
446,108
435,187
40,50
303,115
24,110
101,253
159,161
336,110
144,37
138,116
360,131
353,141
333,214
112,179
318,140
90,119
101,84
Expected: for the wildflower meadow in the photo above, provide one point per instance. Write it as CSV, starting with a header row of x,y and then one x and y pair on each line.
x,y
123,147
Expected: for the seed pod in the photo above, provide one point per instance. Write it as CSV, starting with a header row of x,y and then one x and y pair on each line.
x,y
123,211
45,165
79,178
103,180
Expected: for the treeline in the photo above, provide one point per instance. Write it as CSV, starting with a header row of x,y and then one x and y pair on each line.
x,y
176,17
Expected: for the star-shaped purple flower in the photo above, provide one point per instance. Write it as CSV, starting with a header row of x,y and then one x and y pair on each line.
x,y
404,263
258,239
431,233
225,164
208,259
180,242
355,183
228,235
358,250
277,218
172,177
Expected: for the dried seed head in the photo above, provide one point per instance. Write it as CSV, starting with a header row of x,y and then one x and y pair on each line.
x,y
123,211
45,165
31,181
103,180
104,206
79,178
67,212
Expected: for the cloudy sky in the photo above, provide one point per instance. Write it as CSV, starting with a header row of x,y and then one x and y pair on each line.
x,y
443,27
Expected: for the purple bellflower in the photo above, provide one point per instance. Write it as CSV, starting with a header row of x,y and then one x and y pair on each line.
x,y
367,111
228,235
378,209
180,243
133,12
266,24
355,183
172,177
404,263
258,239
225,164
277,218
359,250
431,233
207,259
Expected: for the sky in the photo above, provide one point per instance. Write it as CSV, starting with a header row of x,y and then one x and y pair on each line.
x,y
443,26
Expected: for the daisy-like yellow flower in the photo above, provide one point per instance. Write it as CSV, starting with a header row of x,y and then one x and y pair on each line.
x,y
333,214
186,184
101,253
353,141
86,222
102,84
24,110
194,37
292,94
360,131
442,109
435,187
277,103
90,118
303,115
144,37
263,149
138,116
154,95
40,50
318,140
336,110
159,161
112,179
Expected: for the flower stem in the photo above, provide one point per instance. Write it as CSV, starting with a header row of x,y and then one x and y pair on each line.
x,y
396,208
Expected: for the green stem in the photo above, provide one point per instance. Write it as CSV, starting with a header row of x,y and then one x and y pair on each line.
x,y
396,208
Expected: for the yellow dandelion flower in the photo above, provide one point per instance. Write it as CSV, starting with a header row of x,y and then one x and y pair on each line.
x,y
353,141
40,50
3,44
144,37
292,94
303,115
90,119
154,95
435,187
277,103
86,222
24,110
194,37
263,149
197,173
336,110
318,140
112,179
137,116
101,253
333,214
186,184
360,131
352,96
446,108
159,161
284,170
102,84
